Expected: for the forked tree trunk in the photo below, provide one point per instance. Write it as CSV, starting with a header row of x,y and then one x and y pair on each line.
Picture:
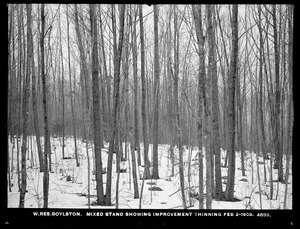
x,y
34,107
215,102
115,107
107,79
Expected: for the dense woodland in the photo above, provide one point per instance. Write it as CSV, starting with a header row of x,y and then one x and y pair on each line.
x,y
207,77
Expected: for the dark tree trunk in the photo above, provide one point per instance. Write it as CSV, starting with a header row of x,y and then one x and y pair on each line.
x,y
229,192
96,107
201,97
278,153
215,102
45,109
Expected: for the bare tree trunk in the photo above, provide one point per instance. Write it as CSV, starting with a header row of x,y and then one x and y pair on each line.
x,y
10,94
25,112
201,97
134,173
82,58
8,172
34,106
85,106
86,132
155,174
96,107
225,91
118,181
12,73
136,116
215,102
177,112
262,130
239,122
170,90
144,98
133,137
20,92
10,77
269,92
290,101
116,104
46,122
190,158
62,97
278,154
107,79
261,53
71,95
241,103
256,140
229,192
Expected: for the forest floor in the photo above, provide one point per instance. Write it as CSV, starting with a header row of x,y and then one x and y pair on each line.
x,y
68,183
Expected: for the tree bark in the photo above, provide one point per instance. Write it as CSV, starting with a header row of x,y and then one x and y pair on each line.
x,y
290,101
25,112
62,97
84,74
225,91
136,116
229,192
201,97
71,95
107,79
155,174
215,102
34,105
96,107
278,154
256,139
144,98
133,137
45,109
176,108
115,105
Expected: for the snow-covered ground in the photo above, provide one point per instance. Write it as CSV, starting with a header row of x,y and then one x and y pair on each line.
x,y
73,193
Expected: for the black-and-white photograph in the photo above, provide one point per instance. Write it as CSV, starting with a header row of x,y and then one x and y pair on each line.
x,y
136,110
